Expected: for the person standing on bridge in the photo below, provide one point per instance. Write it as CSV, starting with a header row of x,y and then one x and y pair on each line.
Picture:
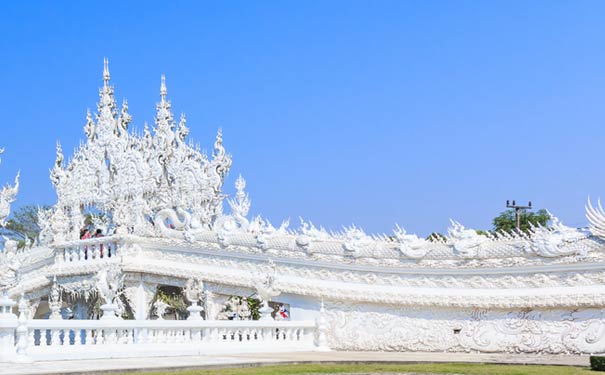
x,y
84,235
99,234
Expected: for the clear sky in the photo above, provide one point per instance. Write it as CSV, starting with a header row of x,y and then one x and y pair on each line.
x,y
365,112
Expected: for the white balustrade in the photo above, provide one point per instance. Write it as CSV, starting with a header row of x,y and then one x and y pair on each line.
x,y
44,339
89,250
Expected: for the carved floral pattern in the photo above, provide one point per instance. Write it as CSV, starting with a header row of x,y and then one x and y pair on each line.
x,y
527,331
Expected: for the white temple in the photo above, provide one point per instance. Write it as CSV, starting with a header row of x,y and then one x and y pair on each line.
x,y
159,200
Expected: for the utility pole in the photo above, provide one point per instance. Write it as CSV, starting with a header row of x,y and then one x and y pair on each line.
x,y
517,211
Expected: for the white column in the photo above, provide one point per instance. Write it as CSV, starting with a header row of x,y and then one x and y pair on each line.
x,y
139,296
265,311
321,326
22,332
194,311
8,325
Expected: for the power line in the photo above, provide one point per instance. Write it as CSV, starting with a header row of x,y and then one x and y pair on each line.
x,y
517,211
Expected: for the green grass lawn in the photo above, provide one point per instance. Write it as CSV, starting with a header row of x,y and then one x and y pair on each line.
x,y
438,368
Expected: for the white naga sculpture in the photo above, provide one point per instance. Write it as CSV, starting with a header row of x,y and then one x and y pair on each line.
x,y
109,282
159,201
266,291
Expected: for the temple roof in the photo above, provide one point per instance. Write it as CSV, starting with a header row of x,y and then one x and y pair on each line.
x,y
132,176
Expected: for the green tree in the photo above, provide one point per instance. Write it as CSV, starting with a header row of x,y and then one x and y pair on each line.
x,y
436,237
23,224
506,220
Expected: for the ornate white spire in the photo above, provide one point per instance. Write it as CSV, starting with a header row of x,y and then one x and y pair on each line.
x,y
106,126
164,118
106,75
163,90
8,194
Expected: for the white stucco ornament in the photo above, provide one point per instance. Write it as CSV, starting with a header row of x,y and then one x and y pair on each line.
x,y
8,194
410,245
357,241
10,263
160,309
194,292
109,283
551,241
266,290
44,216
466,242
55,301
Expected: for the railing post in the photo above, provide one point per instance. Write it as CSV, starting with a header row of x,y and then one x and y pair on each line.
x,y
8,323
321,326
194,311
22,335
59,255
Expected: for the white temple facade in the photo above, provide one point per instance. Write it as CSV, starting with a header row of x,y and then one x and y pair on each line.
x,y
160,204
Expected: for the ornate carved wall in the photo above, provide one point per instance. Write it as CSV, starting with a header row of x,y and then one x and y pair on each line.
x,y
388,328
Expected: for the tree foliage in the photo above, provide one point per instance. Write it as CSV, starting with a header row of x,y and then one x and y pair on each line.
x,y
23,224
436,237
506,220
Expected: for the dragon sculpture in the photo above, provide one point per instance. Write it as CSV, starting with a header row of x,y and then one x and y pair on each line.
x,y
156,184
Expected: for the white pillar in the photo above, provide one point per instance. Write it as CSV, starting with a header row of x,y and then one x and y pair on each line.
x,y
321,326
22,332
8,325
139,296
194,311
265,311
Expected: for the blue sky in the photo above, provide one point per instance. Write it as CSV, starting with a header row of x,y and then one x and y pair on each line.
x,y
365,112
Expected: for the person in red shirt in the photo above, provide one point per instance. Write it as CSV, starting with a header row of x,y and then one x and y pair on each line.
x,y
99,234
84,235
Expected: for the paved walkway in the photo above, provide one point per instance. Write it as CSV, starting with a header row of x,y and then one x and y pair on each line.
x,y
110,366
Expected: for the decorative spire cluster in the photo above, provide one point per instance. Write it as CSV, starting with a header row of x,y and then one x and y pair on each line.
x,y
132,176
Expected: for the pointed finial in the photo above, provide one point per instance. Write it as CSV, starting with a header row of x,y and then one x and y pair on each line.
x,y
219,150
163,90
105,71
240,184
60,156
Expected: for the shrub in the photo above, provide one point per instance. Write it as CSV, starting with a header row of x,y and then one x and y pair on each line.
x,y
597,363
